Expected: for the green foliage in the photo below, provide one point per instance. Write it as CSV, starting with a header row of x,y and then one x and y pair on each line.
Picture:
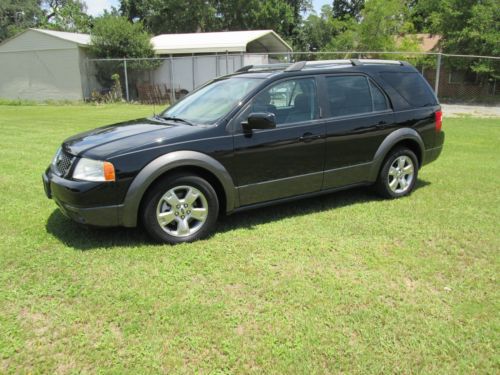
x,y
317,30
114,95
184,16
342,9
64,15
171,16
18,15
383,26
115,37
67,15
467,27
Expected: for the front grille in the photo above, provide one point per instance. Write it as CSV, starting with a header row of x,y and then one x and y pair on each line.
x,y
62,163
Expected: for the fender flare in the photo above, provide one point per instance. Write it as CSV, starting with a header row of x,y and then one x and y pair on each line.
x,y
389,142
163,164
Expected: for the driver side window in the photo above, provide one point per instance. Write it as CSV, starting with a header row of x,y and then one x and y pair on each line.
x,y
290,101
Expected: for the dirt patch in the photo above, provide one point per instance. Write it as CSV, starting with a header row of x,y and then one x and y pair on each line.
x,y
459,110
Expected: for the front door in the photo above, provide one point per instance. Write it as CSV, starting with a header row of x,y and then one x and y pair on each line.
x,y
288,160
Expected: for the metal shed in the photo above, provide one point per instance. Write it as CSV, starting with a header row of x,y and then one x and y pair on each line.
x,y
44,64
252,41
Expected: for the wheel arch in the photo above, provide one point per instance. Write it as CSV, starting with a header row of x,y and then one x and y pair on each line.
x,y
178,161
406,137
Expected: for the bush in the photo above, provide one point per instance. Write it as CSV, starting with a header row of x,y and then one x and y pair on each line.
x,y
115,37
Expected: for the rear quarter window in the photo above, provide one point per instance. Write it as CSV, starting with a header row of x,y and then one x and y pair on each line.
x,y
411,86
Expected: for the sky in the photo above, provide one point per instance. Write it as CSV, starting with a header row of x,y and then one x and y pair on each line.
x,y
96,7
317,4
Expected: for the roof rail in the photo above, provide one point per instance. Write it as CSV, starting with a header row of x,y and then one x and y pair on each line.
x,y
318,64
376,61
295,67
248,68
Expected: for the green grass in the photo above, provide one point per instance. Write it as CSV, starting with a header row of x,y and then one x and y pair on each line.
x,y
346,283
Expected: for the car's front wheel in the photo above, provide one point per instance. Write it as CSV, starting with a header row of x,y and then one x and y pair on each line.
x,y
398,174
180,208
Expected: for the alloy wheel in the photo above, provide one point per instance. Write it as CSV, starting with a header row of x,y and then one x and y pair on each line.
x,y
182,211
401,174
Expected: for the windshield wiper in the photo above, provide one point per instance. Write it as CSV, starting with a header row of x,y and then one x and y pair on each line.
x,y
176,119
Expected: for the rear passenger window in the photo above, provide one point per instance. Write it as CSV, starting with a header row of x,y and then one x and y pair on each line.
x,y
353,94
412,87
348,95
379,101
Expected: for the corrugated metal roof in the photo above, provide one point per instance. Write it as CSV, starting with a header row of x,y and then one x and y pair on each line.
x,y
217,42
226,41
81,39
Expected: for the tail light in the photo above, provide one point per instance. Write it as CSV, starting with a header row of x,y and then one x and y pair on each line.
x,y
439,120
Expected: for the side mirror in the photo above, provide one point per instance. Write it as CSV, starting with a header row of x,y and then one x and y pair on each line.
x,y
259,120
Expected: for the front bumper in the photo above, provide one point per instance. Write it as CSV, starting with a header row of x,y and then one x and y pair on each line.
x,y
69,196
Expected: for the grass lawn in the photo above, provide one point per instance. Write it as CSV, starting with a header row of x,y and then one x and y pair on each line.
x,y
346,283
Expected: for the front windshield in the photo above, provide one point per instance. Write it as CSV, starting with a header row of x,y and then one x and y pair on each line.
x,y
212,101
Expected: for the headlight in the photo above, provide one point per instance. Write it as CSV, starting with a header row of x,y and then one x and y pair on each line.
x,y
54,159
94,170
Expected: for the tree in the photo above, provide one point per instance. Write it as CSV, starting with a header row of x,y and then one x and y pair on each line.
x,y
18,15
344,9
467,27
317,30
186,16
171,16
255,14
67,15
115,37
381,22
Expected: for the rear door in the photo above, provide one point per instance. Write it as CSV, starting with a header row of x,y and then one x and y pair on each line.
x,y
285,161
359,118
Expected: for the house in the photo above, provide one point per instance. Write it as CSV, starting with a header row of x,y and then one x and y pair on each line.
x,y
457,81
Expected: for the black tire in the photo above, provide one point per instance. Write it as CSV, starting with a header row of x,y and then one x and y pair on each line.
x,y
151,206
383,184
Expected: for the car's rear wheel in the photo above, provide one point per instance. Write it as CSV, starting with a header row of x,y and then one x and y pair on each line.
x,y
398,174
180,208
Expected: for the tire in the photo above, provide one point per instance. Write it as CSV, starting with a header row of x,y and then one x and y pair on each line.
x,y
180,208
398,175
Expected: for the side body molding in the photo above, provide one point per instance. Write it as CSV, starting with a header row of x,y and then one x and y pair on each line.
x,y
168,162
389,142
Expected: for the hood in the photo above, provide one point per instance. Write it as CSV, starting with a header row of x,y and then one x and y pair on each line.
x,y
123,137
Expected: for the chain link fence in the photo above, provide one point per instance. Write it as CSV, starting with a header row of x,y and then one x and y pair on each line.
x,y
167,79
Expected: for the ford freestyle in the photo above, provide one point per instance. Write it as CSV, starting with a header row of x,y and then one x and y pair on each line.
x,y
263,135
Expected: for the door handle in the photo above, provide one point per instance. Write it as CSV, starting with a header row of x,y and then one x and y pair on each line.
x,y
308,137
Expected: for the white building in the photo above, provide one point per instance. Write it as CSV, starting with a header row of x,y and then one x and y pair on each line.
x,y
44,64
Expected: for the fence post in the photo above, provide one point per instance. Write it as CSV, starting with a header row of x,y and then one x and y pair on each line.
x,y
216,65
193,60
126,79
438,73
172,88
88,92
227,62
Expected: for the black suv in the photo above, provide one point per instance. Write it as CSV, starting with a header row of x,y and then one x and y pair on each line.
x,y
262,135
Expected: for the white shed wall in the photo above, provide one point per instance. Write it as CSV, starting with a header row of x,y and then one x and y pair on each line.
x,y
40,75
204,68
35,66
